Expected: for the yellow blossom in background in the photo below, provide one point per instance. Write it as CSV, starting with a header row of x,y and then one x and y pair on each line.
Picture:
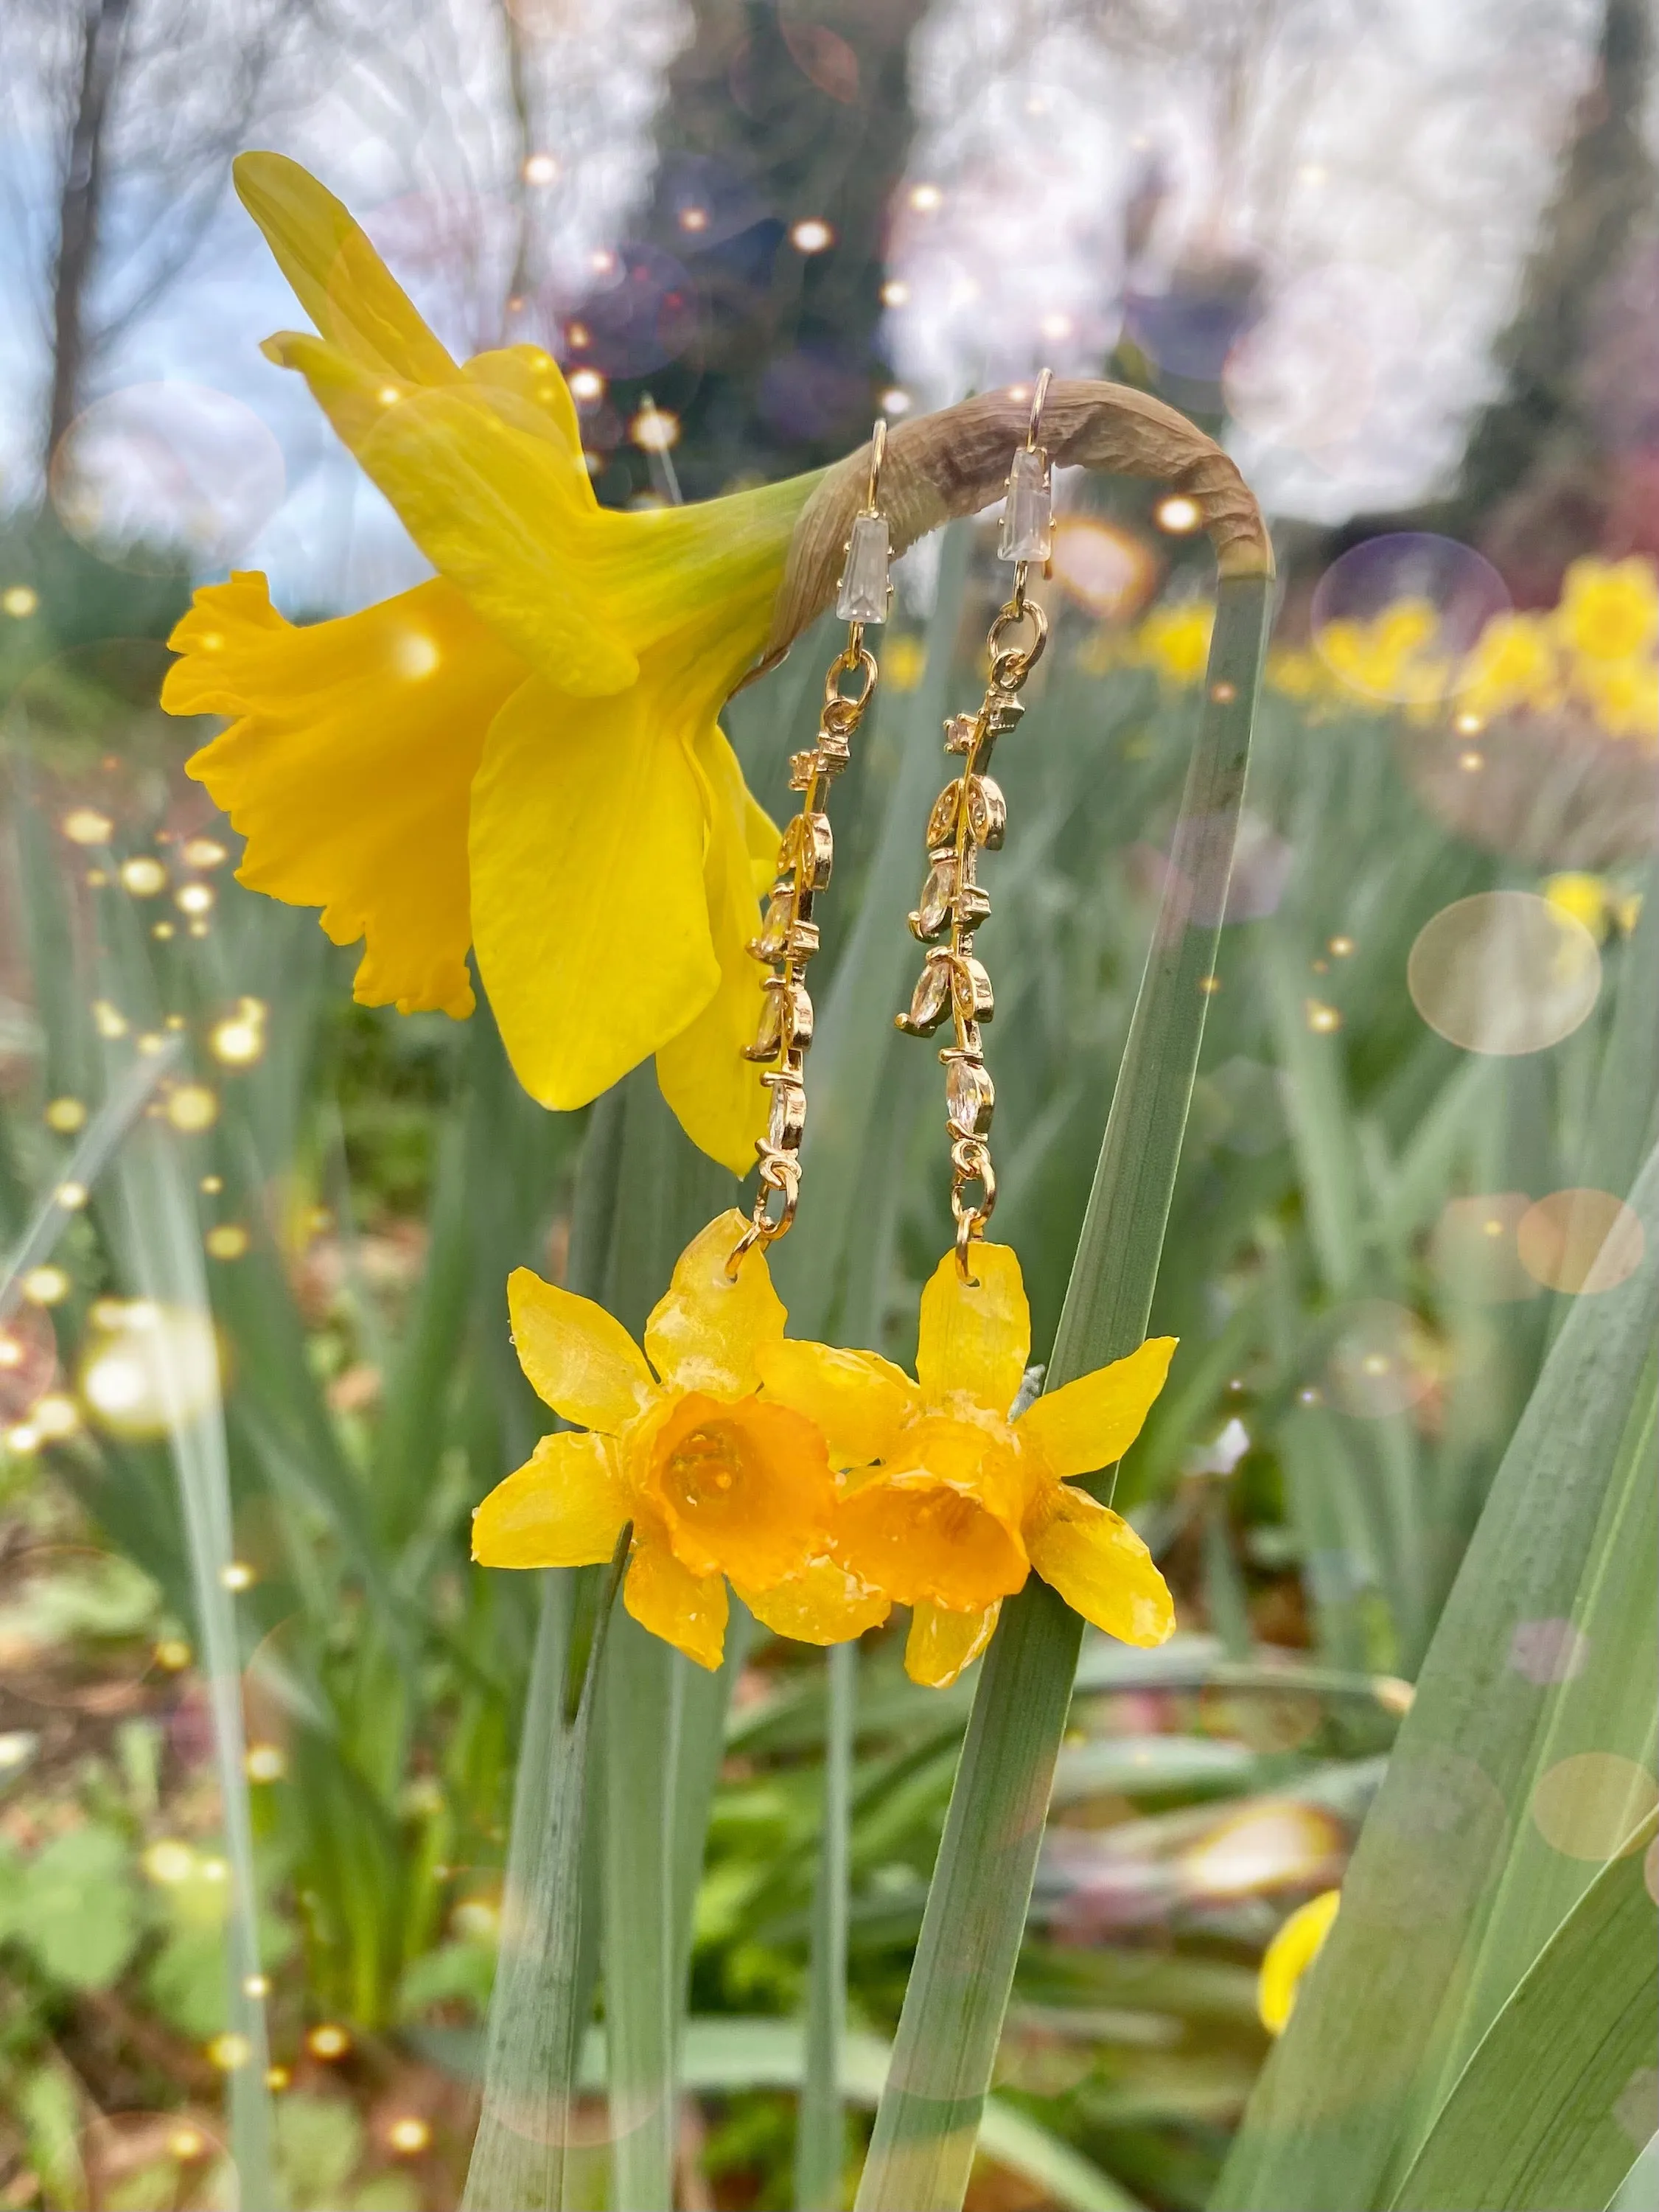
x,y
1397,656
716,1481
1609,609
1513,665
902,661
1296,672
1176,641
1624,695
1288,1957
955,1501
521,756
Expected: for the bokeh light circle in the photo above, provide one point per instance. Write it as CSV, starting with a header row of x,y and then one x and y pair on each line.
x,y
1382,1362
1107,569
148,1367
1395,618
159,472
1504,972
1592,1805
1472,1248
1580,1241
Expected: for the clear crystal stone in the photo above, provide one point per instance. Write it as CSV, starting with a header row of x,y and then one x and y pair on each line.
x,y
959,734
773,939
770,1036
1028,510
937,893
865,590
969,1097
972,986
809,848
931,1000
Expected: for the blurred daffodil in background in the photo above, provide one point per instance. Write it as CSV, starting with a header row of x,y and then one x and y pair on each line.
x,y
715,1480
521,756
1592,660
957,1500
1288,1957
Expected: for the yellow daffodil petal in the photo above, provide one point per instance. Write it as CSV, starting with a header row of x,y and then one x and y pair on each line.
x,y
705,1333
1288,1957
337,276
703,577
761,837
564,1507
1092,1422
941,1643
588,907
348,765
717,1094
578,1359
743,1487
919,1539
821,1604
534,379
488,492
974,1338
1099,1565
687,1610
859,1399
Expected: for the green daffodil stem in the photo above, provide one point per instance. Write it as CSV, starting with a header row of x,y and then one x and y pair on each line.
x,y
820,2141
927,2122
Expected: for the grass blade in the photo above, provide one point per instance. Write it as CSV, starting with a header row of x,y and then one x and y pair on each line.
x,y
820,2142
1532,2125
1450,1899
539,2007
928,2119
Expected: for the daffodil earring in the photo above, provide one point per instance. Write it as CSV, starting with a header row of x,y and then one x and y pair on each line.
x,y
969,816
789,936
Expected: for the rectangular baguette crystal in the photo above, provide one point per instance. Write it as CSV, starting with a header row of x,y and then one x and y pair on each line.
x,y
1028,510
863,594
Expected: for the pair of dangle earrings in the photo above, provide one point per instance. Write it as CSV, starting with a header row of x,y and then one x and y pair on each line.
x,y
968,817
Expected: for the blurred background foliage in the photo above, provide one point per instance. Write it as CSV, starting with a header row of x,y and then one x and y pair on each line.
x,y
1373,1242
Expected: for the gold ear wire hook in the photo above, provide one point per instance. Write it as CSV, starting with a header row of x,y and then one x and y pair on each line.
x,y
1039,400
878,455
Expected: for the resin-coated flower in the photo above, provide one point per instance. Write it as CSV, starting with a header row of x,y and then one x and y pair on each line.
x,y
961,1501
717,1481
521,756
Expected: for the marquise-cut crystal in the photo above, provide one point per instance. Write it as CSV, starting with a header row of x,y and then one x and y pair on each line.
x,y
865,590
1028,532
769,1038
931,1000
937,893
773,939
970,1096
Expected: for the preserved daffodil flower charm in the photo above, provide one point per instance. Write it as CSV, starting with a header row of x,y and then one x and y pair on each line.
x,y
958,1500
716,1481
521,756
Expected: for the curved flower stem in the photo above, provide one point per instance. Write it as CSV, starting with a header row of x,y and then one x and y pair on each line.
x,y
928,2123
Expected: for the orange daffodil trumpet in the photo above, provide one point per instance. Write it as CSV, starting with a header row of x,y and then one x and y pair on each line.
x,y
521,756
716,1481
825,1485
954,1499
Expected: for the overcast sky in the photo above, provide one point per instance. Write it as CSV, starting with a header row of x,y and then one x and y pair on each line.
x,y
1385,174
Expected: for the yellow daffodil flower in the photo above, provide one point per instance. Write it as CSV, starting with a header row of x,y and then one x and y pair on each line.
x,y
717,1481
1176,641
1609,609
959,1502
1624,695
1513,664
1288,1957
521,756
1396,656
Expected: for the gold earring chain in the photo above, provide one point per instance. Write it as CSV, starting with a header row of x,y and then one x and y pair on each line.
x,y
969,816
789,936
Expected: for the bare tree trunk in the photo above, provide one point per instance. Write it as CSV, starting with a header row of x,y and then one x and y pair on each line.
x,y
80,207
